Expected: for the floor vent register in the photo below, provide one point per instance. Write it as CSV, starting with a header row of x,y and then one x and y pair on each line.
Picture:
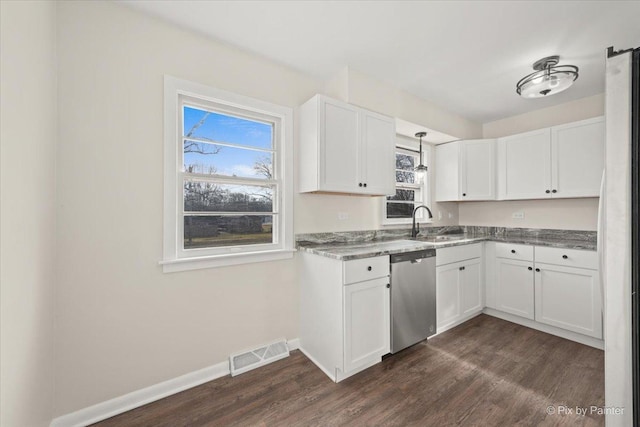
x,y
252,359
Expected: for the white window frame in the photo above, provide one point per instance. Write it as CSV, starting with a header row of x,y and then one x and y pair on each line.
x,y
175,257
425,188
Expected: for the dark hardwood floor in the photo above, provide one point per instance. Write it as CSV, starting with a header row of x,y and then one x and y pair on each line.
x,y
485,372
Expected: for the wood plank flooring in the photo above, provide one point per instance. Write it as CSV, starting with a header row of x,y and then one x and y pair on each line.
x,y
485,372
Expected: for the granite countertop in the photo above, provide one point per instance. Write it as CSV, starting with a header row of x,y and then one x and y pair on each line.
x,y
349,251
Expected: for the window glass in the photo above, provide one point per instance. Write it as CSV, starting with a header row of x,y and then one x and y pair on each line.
x,y
227,230
213,159
214,197
409,193
399,210
213,126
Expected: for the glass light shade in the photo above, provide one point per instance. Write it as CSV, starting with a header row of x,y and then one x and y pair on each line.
x,y
421,173
547,82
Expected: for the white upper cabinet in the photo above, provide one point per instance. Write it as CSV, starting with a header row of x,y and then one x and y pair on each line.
x,y
447,172
378,154
338,130
465,170
524,165
477,171
558,162
577,153
345,149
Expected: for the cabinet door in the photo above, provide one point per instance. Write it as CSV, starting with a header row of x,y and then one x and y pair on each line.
x,y
524,166
447,169
378,154
471,287
577,158
477,169
367,331
339,146
569,298
514,287
448,294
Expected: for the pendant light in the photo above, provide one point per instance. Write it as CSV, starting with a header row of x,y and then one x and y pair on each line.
x,y
548,79
421,169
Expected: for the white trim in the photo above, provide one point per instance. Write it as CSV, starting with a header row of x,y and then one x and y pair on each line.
x,y
332,376
175,258
343,376
129,401
197,263
562,333
458,322
138,398
293,344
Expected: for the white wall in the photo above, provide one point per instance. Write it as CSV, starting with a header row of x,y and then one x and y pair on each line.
x,y
387,99
573,214
568,214
28,135
121,323
580,109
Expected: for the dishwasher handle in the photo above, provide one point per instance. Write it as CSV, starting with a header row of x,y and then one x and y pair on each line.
x,y
413,256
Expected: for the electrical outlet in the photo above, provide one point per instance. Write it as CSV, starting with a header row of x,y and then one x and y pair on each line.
x,y
343,216
439,216
450,215
518,215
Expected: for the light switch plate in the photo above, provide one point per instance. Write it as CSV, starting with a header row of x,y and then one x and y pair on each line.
x,y
343,216
518,215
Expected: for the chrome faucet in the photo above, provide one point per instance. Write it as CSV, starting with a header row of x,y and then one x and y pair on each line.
x,y
415,228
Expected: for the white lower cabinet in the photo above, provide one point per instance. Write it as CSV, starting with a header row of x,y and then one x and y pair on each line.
x,y
345,324
471,287
514,287
569,298
552,289
459,285
447,295
366,321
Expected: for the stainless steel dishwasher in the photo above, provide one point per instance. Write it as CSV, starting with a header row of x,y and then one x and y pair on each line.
x,y
413,298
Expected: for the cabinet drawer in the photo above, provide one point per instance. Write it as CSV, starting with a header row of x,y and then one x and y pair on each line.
x,y
363,269
458,253
567,257
511,251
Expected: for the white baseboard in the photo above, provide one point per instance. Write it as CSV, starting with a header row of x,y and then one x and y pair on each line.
x,y
293,344
458,322
562,333
328,373
129,401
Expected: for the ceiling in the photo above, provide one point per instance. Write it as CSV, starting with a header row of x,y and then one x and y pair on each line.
x,y
463,56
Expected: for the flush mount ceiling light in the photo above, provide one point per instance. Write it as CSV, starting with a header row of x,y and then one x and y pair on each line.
x,y
421,169
548,79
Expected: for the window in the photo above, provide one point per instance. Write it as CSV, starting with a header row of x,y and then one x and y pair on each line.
x,y
398,209
228,166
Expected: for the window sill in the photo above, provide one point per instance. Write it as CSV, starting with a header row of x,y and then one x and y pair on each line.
x,y
214,261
